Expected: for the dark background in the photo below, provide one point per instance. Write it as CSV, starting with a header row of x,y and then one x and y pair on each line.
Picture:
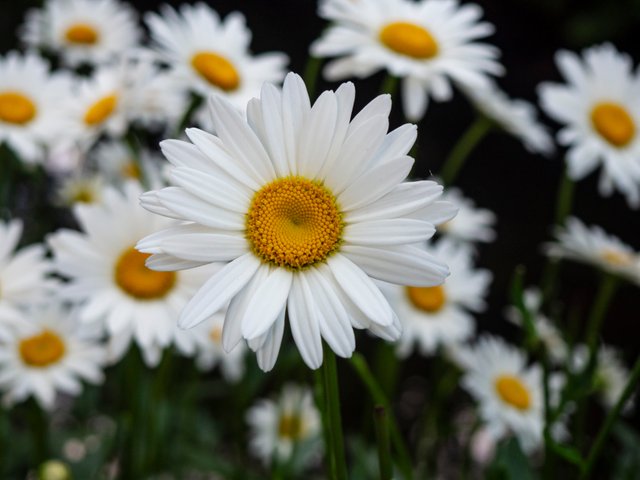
x,y
500,175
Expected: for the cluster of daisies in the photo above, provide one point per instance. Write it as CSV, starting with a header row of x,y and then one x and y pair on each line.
x,y
276,212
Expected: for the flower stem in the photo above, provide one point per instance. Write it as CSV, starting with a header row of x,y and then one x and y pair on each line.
x,y
384,446
592,457
389,84
454,162
607,289
332,413
564,201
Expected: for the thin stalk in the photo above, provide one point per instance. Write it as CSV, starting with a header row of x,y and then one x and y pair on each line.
x,y
594,453
389,84
564,200
384,445
607,289
321,401
469,140
334,420
40,430
311,72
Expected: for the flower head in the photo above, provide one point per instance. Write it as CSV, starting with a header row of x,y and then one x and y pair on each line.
x,y
471,224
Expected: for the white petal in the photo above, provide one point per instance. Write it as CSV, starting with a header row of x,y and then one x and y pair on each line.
x,y
395,231
268,353
266,303
206,247
316,135
303,319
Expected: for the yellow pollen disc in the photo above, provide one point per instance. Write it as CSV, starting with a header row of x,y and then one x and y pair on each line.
x,y
216,334
616,258
131,170
135,279
42,349
513,391
84,195
428,299
409,39
101,110
16,108
613,122
81,34
216,70
294,222
290,427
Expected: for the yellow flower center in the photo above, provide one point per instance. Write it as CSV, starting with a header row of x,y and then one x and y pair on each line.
x,y
513,391
294,222
613,122
409,39
16,108
135,279
42,349
216,70
428,299
131,170
99,111
290,427
82,34
216,334
84,195
617,258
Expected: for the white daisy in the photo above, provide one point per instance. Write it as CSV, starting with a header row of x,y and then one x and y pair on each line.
x,y
510,394
23,275
516,117
592,245
81,188
49,352
209,55
83,31
426,43
471,224
599,108
31,99
305,205
118,164
279,428
108,277
439,316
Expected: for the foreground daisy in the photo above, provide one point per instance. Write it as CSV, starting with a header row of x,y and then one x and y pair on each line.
x,y
471,224
594,246
82,31
599,108
439,316
509,393
286,427
305,206
426,43
49,352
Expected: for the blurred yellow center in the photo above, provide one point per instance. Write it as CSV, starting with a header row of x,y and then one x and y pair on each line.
x,y
613,123
616,258
290,427
82,34
83,195
101,110
428,299
409,39
131,170
16,108
294,222
134,278
42,349
216,70
513,391
216,334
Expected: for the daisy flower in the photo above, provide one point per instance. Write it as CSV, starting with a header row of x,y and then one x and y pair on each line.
x,y
81,188
118,164
209,55
31,98
305,206
427,43
279,427
471,224
49,352
83,31
599,109
593,246
108,277
439,316
516,117
510,394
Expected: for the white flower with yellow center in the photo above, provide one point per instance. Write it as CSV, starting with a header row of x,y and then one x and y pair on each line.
x,y
83,31
593,246
471,224
426,43
439,316
31,99
83,188
305,206
599,108
49,352
280,428
109,279
118,163
209,55
510,394
23,275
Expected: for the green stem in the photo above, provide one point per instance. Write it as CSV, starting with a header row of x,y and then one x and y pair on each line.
x,y
39,429
334,421
389,84
592,457
564,200
607,289
384,446
311,72
471,137
321,401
